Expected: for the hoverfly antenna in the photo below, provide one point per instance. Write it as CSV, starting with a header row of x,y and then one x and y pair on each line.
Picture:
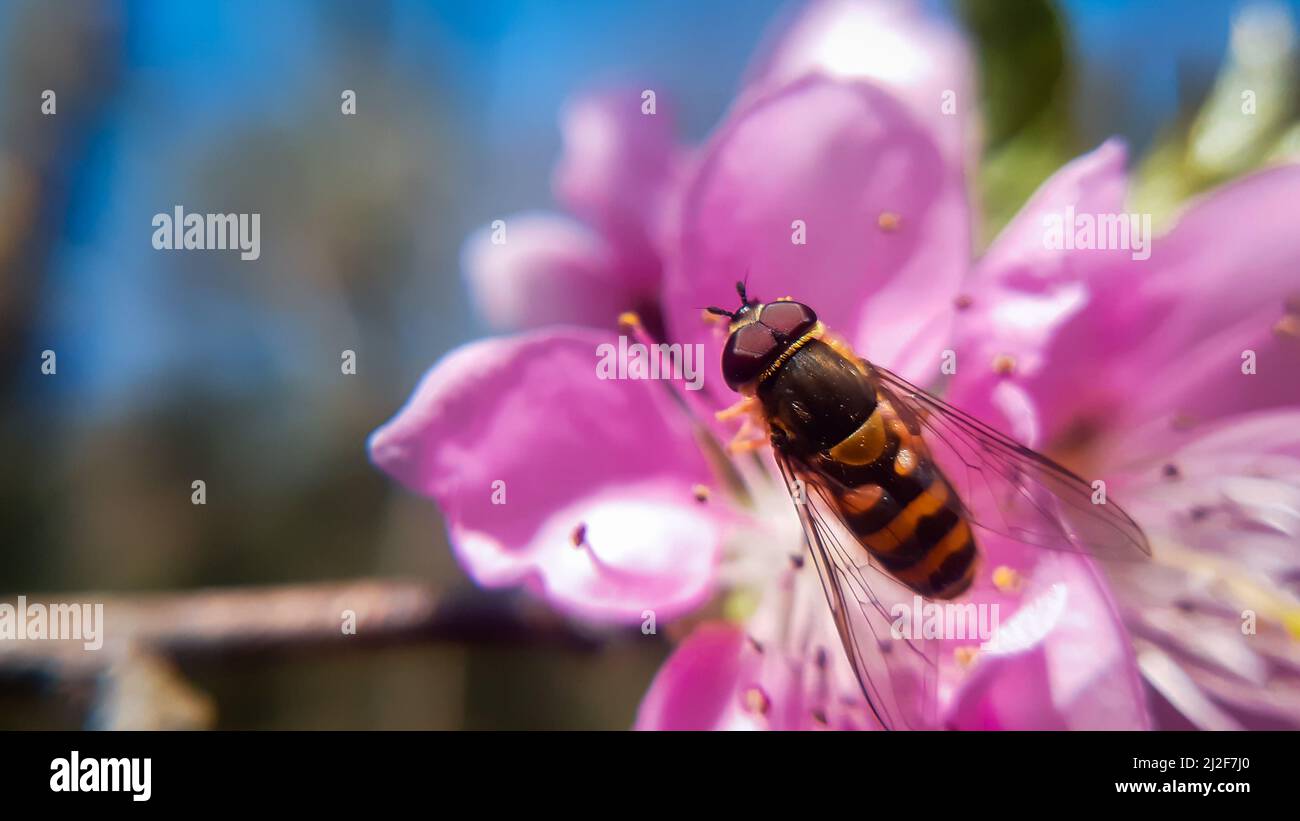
x,y
720,311
740,289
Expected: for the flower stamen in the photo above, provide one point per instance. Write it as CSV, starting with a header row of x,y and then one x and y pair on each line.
x,y
1007,579
1004,364
629,322
1288,326
756,701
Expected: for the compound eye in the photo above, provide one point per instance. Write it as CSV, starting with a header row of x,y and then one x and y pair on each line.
x,y
788,320
750,350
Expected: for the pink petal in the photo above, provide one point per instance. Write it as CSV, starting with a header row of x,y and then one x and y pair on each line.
x,y
719,680
618,159
528,416
696,687
841,157
1061,661
916,56
1012,688
766,677
1226,279
1106,342
1221,504
1234,490
549,269
1025,297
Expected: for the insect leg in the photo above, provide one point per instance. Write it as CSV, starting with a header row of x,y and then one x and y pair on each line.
x,y
747,406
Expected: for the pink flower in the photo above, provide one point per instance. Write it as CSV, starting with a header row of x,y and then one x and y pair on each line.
x,y
540,268
1174,380
827,188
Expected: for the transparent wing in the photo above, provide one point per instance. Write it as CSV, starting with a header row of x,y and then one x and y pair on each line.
x,y
1008,488
898,675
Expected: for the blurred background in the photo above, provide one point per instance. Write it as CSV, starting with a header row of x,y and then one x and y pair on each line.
x,y
176,367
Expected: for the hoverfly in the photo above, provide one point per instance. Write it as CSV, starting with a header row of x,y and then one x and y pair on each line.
x,y
893,487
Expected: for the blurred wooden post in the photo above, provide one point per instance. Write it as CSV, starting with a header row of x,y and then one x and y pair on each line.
x,y
139,687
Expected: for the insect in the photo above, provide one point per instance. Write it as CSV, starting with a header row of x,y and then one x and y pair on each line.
x,y
895,489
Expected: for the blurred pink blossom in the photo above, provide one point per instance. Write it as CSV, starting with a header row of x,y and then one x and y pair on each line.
x,y
1138,369
539,268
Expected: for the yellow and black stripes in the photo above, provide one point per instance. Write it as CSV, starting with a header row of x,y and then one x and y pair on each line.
x,y
887,490
900,506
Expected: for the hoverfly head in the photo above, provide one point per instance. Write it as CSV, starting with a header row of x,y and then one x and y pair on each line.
x,y
761,335
741,315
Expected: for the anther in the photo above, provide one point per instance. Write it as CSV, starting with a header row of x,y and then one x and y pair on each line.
x,y
796,561
579,535
756,701
819,716
962,302
629,321
888,221
966,656
1170,471
1288,326
701,493
755,643
1007,579
1004,364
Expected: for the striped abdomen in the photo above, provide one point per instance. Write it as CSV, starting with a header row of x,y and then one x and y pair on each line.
x,y
889,494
